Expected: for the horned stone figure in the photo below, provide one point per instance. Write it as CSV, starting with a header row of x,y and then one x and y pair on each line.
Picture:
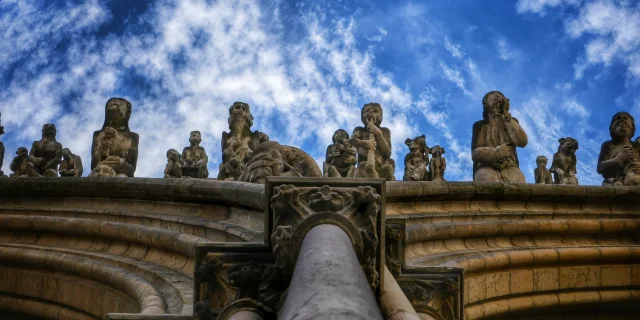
x,y
373,144
45,155
494,141
340,156
541,173
616,158
437,165
71,165
195,158
19,163
564,162
115,145
417,160
175,164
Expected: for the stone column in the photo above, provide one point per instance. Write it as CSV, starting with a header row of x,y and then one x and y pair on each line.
x,y
328,280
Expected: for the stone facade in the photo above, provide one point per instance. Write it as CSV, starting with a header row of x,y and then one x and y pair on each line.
x,y
123,248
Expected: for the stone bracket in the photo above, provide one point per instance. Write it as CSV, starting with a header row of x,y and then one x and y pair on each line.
x,y
437,291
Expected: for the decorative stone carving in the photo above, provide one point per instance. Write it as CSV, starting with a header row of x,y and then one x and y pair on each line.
x,y
115,145
437,165
102,170
266,161
340,156
19,163
564,162
195,158
373,144
175,164
71,165
45,155
416,161
436,298
239,144
1,147
618,156
394,248
541,173
494,141
298,209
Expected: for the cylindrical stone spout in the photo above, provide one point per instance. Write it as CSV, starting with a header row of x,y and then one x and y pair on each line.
x,y
328,281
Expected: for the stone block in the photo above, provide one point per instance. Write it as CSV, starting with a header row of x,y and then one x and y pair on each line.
x,y
616,276
545,279
521,281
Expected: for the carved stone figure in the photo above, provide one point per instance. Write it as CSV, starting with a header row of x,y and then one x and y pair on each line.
x,y
564,162
102,170
417,160
438,164
632,169
71,165
45,155
265,162
195,158
373,144
19,163
239,144
115,145
340,157
616,155
175,164
541,173
494,141
1,147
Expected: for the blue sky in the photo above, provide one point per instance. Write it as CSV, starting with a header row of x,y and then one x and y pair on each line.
x,y
307,67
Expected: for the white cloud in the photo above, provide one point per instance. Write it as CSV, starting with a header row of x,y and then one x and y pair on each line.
x,y
454,75
540,6
453,48
504,51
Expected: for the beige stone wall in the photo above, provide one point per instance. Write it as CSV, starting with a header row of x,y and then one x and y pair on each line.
x,y
83,248
529,251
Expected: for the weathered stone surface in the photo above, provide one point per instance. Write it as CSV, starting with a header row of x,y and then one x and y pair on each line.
x,y
115,145
71,165
541,173
195,158
19,163
564,162
417,160
618,161
1,147
373,144
175,164
437,165
45,155
340,159
494,141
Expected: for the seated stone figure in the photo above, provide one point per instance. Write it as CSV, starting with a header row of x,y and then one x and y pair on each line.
x,y
239,144
417,160
541,173
564,162
437,165
616,155
195,158
340,156
19,163
71,165
115,145
373,144
102,170
265,162
494,141
1,147
175,164
45,155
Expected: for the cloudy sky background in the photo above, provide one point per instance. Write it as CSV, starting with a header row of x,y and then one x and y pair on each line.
x,y
307,67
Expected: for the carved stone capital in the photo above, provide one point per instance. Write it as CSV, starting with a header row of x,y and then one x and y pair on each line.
x,y
354,205
434,291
